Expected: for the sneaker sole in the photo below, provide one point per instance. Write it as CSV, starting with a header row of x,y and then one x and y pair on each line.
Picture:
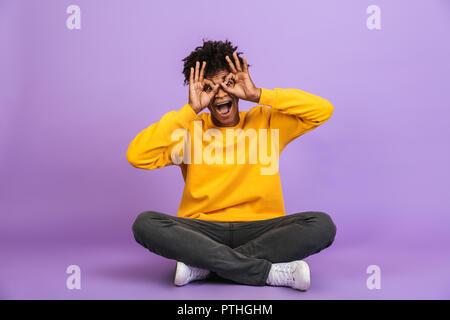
x,y
303,273
179,272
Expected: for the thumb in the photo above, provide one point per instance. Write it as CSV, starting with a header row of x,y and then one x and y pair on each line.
x,y
214,91
224,87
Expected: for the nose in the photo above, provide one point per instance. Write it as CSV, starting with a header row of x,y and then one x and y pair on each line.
x,y
221,93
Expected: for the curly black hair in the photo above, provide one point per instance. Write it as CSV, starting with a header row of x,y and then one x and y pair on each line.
x,y
213,52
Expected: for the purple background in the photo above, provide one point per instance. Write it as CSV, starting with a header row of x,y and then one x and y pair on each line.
x,y
72,100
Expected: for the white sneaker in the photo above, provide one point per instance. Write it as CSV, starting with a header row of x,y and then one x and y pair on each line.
x,y
293,274
185,274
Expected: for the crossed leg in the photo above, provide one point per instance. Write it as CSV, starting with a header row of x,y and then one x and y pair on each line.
x,y
288,238
204,244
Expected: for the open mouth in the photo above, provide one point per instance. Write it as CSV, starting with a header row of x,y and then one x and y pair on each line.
x,y
223,108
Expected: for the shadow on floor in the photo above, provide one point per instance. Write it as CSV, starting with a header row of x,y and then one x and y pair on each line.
x,y
139,271
158,272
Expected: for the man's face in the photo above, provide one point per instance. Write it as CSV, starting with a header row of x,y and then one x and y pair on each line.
x,y
223,107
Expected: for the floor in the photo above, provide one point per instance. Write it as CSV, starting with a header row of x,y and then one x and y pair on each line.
x,y
128,271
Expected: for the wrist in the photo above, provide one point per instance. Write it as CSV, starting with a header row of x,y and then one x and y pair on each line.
x,y
196,109
256,96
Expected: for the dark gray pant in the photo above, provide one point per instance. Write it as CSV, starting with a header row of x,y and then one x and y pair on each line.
x,y
239,251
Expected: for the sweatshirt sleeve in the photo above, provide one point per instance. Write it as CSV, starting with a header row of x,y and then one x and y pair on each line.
x,y
151,148
294,112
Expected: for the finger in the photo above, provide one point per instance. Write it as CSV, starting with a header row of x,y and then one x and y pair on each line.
x,y
211,84
230,63
245,64
202,72
228,77
215,88
208,82
227,88
224,87
236,61
197,66
191,77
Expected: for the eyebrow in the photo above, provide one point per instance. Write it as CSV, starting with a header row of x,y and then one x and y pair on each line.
x,y
223,78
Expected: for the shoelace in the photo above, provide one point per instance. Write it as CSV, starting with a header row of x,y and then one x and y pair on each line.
x,y
284,274
197,273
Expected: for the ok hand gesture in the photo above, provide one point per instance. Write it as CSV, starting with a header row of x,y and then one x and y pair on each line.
x,y
243,87
198,98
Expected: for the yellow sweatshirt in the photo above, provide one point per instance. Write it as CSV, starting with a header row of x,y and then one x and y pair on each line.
x,y
230,174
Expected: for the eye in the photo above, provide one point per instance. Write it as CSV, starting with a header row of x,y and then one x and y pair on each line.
x,y
230,83
207,88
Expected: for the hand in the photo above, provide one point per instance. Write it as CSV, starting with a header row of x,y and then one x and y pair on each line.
x,y
241,85
199,99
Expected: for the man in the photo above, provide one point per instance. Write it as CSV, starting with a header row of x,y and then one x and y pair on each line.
x,y
231,220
